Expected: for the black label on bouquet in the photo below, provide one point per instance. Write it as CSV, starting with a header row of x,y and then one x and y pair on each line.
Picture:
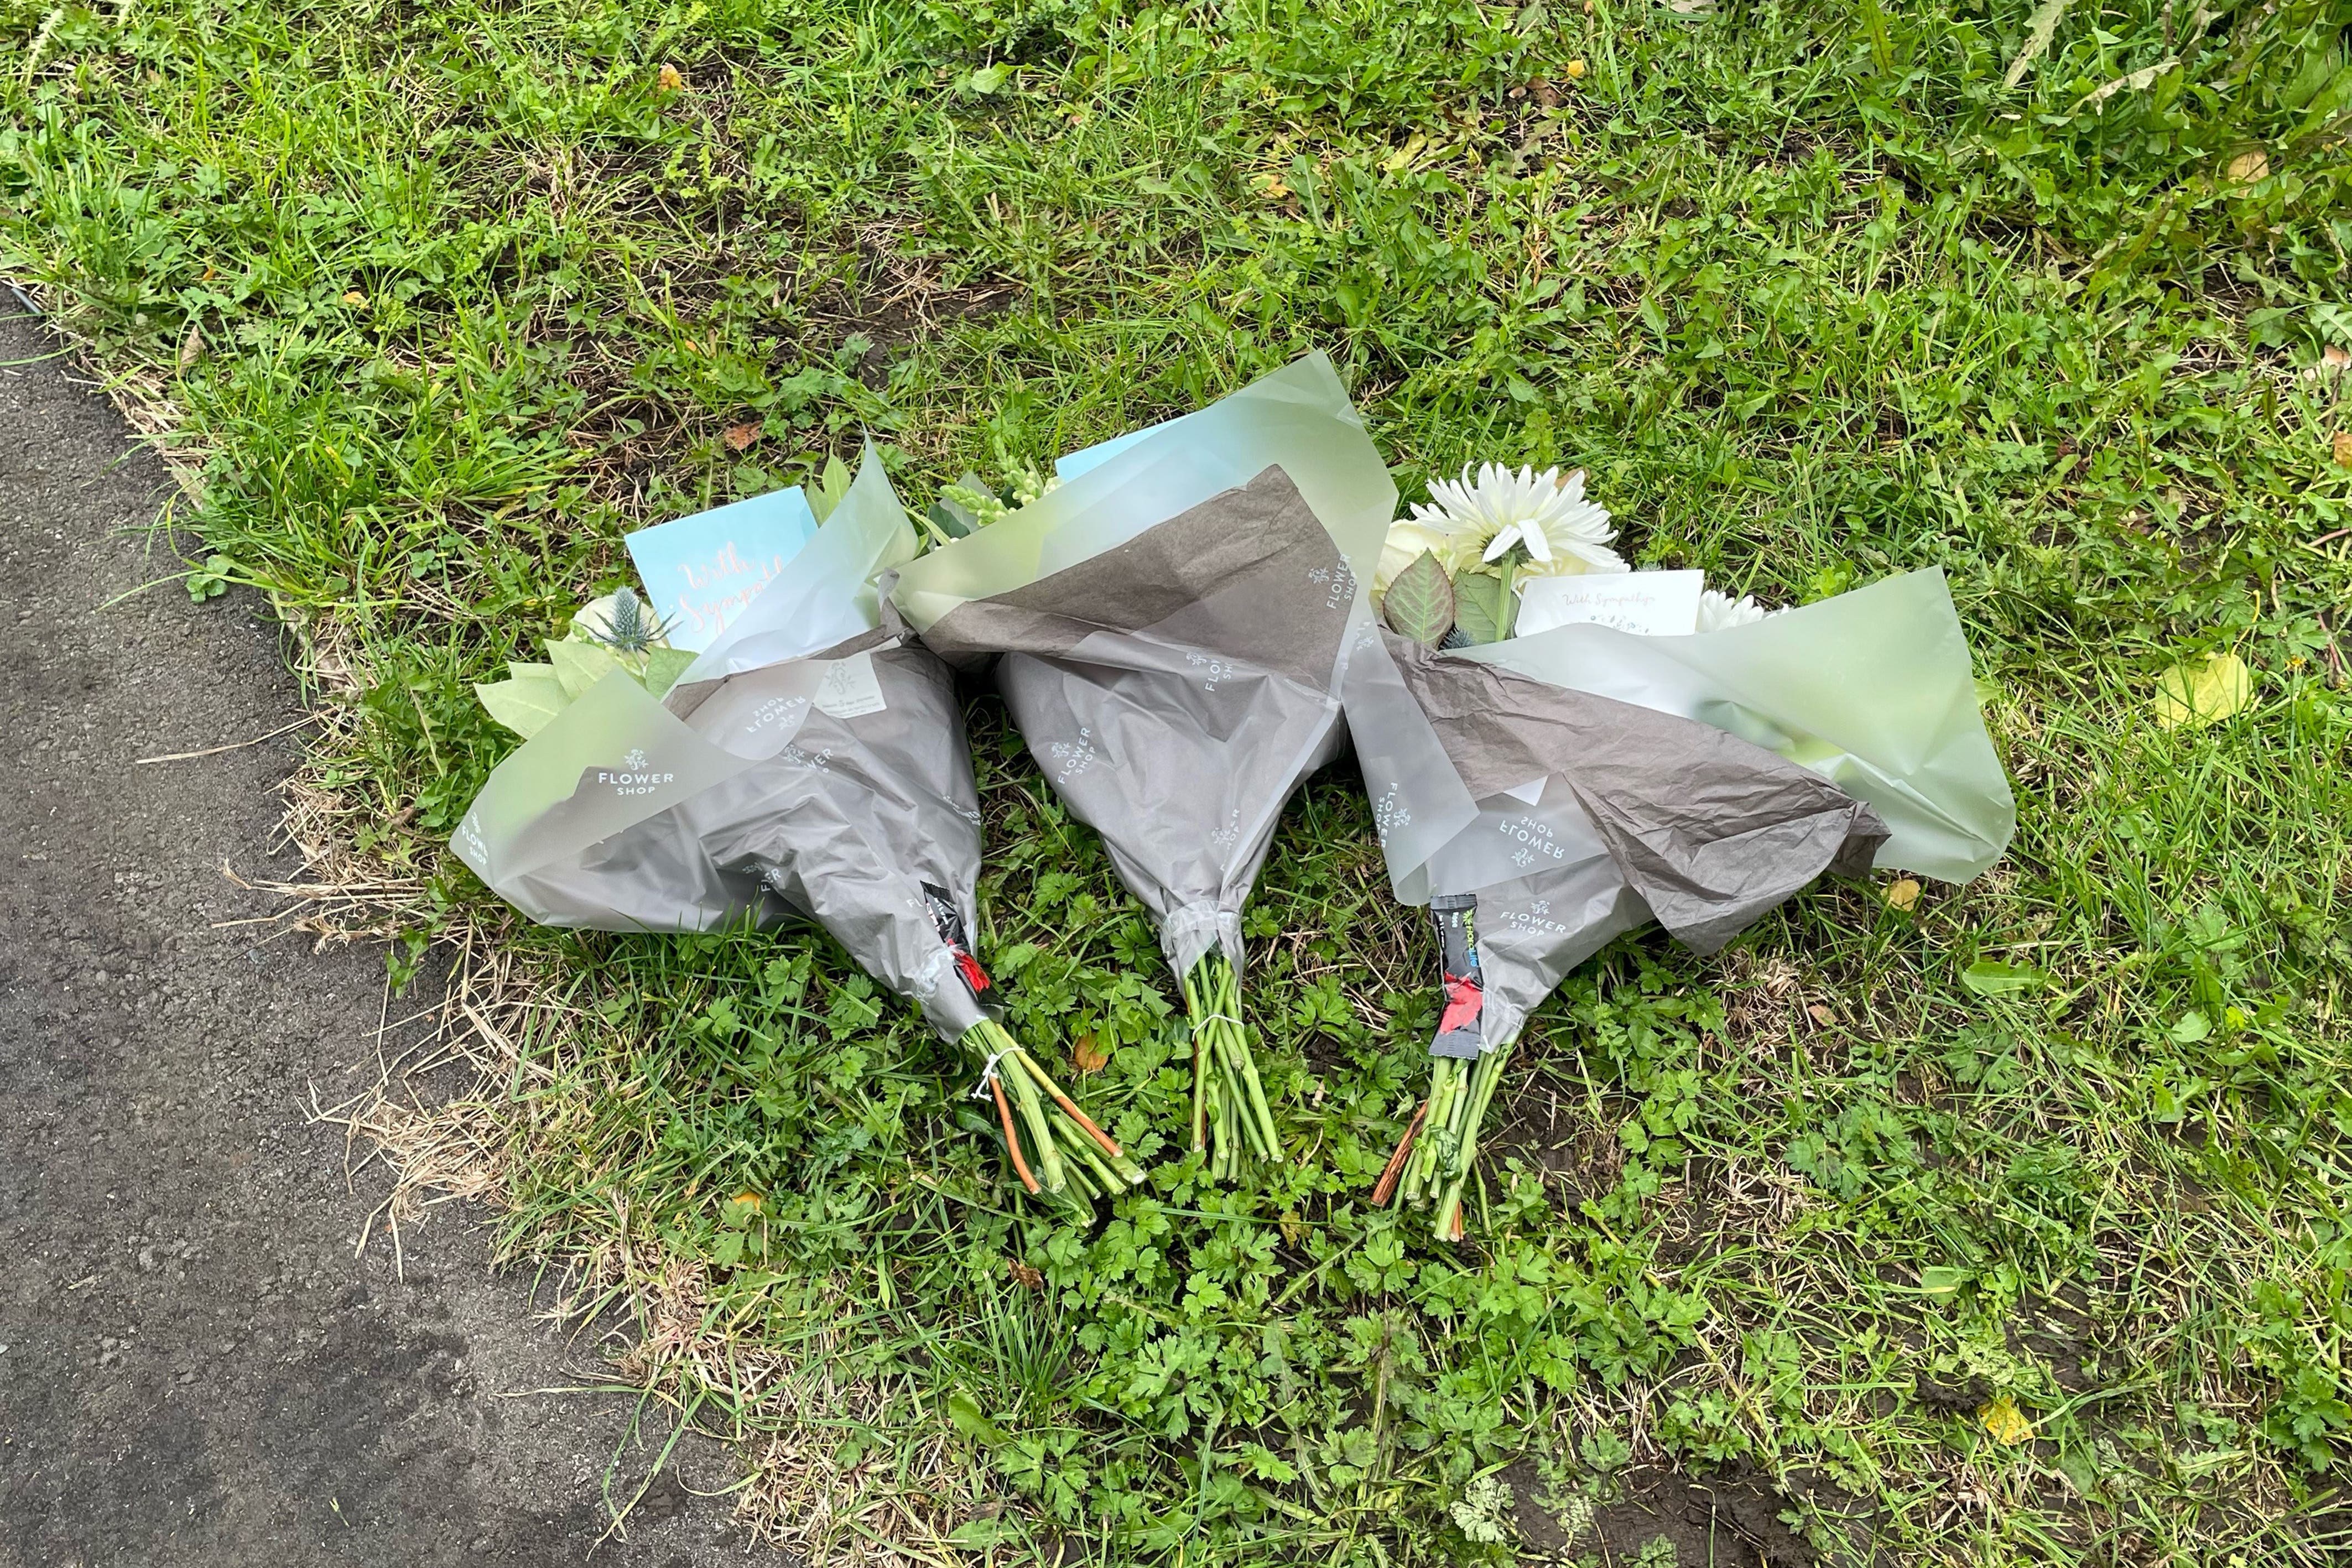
x,y
1458,1031
951,928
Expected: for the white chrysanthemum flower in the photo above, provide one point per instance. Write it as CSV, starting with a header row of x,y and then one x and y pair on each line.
x,y
1483,518
1543,514
1718,610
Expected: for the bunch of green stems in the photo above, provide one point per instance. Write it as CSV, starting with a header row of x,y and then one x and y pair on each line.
x,y
1064,1154
1229,1116
1433,1160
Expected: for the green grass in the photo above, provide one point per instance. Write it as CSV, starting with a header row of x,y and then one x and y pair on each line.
x,y
1815,297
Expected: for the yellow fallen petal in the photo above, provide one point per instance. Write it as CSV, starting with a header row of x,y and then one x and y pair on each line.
x,y
1903,894
2006,1422
671,79
2203,693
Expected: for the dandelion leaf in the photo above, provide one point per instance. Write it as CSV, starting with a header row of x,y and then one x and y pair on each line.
x,y
2039,29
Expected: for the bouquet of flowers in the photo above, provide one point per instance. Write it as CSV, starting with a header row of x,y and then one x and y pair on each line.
x,y
1167,625
810,763
1544,792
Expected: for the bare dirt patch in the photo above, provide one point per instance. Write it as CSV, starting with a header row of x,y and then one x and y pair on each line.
x,y
1728,1520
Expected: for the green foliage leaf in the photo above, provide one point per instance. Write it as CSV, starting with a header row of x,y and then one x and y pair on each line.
x,y
983,1531
211,580
1485,609
527,702
662,667
963,1414
1943,1280
825,494
1986,978
950,521
579,666
1420,602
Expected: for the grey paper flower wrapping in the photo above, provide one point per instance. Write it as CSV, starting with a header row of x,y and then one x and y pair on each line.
x,y
774,781
1635,815
1176,688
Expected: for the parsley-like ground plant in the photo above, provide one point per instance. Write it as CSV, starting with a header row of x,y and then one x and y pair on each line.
x,y
1999,1225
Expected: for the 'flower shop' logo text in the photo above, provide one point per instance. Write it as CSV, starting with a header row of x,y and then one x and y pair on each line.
x,y
1533,838
1214,670
1068,758
633,777
1339,585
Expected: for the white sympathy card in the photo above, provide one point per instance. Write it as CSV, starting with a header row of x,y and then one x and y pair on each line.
x,y
1653,603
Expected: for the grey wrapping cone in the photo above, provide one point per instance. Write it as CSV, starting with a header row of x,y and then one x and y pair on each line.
x,y
1176,689
862,817
1701,830
835,787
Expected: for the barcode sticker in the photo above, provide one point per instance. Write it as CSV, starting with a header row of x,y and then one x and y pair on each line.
x,y
1459,1031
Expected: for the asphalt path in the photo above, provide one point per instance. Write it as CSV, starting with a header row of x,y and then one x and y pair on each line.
x,y
195,1368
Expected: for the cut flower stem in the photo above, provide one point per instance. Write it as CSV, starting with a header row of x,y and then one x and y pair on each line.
x,y
1055,1148
1231,1118
1439,1150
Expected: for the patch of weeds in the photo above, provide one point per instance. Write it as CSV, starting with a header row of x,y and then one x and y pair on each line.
x,y
2041,295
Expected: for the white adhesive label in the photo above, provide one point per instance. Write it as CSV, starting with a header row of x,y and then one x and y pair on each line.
x,y
849,688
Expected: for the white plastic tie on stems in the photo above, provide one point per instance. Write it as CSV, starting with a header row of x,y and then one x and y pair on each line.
x,y
980,1091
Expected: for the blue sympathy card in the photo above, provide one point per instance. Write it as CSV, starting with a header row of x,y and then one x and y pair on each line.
x,y
1069,467
700,571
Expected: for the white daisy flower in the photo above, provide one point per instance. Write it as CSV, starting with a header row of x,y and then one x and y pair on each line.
x,y
1545,517
1718,610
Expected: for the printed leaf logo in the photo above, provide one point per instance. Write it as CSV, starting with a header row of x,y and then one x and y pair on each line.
x,y
634,761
